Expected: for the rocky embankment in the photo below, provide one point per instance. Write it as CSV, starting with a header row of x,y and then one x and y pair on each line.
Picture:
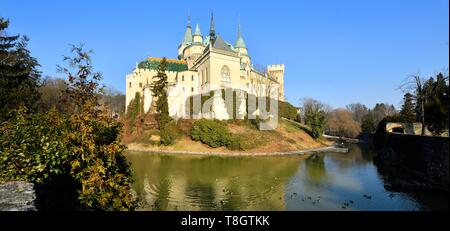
x,y
17,196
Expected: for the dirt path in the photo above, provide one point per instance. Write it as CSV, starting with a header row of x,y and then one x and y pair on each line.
x,y
153,150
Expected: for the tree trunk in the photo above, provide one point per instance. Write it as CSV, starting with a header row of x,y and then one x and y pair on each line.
x,y
423,117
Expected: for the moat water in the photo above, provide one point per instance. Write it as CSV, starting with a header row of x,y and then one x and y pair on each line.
x,y
326,181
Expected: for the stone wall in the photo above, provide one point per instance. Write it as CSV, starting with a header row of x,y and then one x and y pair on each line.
x,y
17,196
422,159
408,128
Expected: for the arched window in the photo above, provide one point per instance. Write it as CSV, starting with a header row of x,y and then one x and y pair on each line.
x,y
225,74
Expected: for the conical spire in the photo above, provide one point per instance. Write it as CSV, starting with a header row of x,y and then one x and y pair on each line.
x,y
197,30
212,30
239,26
189,21
240,41
187,39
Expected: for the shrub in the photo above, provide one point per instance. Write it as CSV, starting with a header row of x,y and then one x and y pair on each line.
x,y
287,110
52,149
169,133
75,160
235,143
211,132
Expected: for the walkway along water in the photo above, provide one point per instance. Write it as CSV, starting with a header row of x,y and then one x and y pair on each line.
x,y
331,148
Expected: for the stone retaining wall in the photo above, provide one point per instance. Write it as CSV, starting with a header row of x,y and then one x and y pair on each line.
x,y
17,196
426,157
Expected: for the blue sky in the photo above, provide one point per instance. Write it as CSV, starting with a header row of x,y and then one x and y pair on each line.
x,y
338,52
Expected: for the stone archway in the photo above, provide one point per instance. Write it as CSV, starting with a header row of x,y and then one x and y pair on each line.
x,y
398,130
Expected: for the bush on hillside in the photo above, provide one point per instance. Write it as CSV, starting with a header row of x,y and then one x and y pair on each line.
x,y
211,132
170,133
287,110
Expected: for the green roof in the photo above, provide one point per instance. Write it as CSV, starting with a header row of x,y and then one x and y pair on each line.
x,y
240,43
172,65
187,39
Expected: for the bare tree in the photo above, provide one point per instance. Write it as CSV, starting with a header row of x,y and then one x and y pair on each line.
x,y
340,122
51,90
260,68
358,111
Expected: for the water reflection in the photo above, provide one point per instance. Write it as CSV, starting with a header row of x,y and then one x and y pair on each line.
x,y
328,181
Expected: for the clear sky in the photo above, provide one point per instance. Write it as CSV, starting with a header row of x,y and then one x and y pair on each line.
x,y
338,52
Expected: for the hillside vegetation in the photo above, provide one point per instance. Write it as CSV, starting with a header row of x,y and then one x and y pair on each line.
x,y
228,136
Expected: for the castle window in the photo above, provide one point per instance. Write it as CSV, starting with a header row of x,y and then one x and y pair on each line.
x,y
192,89
140,84
225,74
182,78
129,84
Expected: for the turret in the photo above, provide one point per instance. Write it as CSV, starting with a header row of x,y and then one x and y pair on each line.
x,y
241,47
197,38
194,49
187,39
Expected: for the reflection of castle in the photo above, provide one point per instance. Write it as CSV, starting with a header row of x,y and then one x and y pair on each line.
x,y
204,64
211,183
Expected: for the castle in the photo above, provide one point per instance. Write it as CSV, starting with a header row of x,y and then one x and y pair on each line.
x,y
205,64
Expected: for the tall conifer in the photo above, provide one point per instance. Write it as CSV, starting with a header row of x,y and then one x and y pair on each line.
x,y
408,108
159,89
18,74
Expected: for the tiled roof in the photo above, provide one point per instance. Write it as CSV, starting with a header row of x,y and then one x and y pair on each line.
x,y
220,44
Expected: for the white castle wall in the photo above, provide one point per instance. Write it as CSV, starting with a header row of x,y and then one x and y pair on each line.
x,y
148,99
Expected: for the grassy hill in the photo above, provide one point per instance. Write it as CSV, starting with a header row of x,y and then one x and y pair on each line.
x,y
288,136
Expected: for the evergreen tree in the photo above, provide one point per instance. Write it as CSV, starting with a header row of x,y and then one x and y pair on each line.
x,y
408,108
436,104
18,74
315,116
369,123
159,90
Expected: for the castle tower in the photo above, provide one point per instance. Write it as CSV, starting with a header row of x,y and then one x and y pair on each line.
x,y
187,39
197,38
241,47
195,49
277,73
